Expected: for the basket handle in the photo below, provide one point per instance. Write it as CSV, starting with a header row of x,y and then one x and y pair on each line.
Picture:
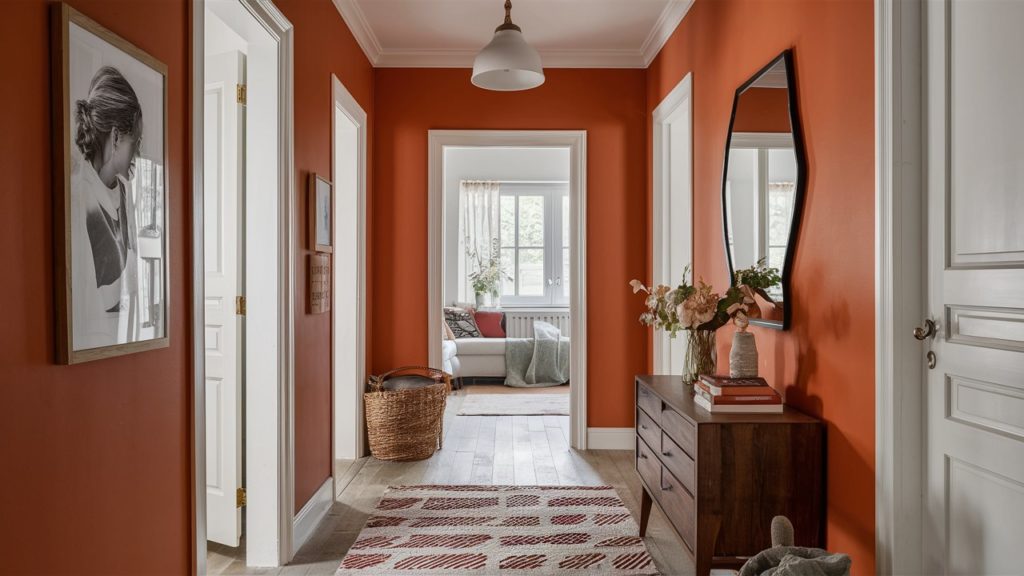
x,y
377,381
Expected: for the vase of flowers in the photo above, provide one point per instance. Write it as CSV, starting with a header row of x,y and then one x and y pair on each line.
x,y
486,280
700,311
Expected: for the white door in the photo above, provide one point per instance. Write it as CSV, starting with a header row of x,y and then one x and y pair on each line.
x,y
224,130
974,508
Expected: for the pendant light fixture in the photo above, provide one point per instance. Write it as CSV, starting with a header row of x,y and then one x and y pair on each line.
x,y
508,63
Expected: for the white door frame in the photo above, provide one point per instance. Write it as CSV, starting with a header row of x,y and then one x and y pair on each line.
x,y
675,107
576,141
342,100
900,281
274,459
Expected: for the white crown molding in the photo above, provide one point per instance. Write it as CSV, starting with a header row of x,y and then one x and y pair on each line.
x,y
667,23
353,16
550,58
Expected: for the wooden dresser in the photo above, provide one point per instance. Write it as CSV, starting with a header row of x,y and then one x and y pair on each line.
x,y
721,478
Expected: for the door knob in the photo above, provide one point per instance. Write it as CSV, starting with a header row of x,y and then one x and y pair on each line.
x,y
926,331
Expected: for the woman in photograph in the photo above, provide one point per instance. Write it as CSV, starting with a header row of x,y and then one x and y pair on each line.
x,y
107,140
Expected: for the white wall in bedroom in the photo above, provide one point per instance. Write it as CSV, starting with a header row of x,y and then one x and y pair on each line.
x,y
490,163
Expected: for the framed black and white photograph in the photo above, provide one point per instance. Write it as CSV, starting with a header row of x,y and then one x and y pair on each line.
x,y
321,208
110,158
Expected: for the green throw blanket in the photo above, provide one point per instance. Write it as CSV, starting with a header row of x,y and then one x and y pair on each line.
x,y
539,361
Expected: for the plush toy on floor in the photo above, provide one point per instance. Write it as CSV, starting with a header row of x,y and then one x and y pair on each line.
x,y
785,559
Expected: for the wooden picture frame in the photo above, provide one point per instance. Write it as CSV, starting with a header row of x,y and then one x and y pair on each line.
x,y
111,247
319,283
321,214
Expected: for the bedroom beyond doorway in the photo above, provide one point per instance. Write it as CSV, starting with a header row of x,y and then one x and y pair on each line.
x,y
506,278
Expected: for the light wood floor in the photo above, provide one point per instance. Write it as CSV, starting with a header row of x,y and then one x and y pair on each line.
x,y
477,450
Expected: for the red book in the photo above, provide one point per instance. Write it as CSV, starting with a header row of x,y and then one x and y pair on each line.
x,y
727,386
774,398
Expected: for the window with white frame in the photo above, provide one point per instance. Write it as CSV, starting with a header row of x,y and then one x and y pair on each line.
x,y
534,235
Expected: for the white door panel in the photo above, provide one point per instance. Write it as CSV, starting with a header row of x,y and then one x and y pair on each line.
x,y
223,189
974,497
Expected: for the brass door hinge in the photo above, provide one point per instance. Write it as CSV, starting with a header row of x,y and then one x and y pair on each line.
x,y
240,498
240,305
240,93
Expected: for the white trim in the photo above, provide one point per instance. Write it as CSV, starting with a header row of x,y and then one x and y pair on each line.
x,y
611,438
678,101
576,141
283,465
761,140
669,20
343,99
356,21
550,58
379,57
900,281
198,287
313,513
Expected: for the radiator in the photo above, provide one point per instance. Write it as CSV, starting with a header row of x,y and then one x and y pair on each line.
x,y
519,323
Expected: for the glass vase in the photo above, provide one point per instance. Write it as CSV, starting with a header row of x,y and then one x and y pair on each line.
x,y
701,356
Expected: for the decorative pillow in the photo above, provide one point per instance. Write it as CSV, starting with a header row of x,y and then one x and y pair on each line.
x,y
447,332
491,324
461,322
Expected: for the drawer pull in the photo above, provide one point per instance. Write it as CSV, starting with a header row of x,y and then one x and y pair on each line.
x,y
666,453
643,427
667,488
643,456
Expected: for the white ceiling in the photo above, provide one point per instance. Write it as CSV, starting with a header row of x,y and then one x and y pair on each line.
x,y
567,33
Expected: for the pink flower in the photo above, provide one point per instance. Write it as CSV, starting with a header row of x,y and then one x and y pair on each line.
x,y
699,308
637,286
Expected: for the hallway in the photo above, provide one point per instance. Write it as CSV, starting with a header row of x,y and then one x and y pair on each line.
x,y
524,450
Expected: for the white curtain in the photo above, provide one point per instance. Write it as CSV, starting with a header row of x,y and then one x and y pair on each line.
x,y
478,229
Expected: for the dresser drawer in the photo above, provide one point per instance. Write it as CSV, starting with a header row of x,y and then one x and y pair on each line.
x,y
679,507
647,465
649,402
647,429
678,463
682,431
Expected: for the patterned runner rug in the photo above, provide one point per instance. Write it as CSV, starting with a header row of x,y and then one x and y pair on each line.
x,y
431,529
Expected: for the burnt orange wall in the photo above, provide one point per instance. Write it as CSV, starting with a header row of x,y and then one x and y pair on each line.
x,y
610,106
96,457
825,363
762,110
323,46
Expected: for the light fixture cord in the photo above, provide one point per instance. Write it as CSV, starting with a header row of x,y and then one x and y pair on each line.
x,y
508,25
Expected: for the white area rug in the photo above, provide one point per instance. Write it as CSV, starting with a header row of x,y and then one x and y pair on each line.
x,y
515,405
544,530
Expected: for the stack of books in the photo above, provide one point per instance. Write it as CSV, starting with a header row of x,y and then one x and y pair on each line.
x,y
723,394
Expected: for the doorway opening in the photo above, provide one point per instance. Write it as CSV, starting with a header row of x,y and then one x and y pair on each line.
x,y
349,270
672,207
242,325
507,310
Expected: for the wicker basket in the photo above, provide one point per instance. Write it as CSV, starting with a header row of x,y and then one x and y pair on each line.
x,y
406,424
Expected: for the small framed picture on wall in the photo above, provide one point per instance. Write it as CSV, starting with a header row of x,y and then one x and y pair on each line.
x,y
110,192
321,212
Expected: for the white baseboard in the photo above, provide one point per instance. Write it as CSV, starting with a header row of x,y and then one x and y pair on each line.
x,y
610,438
312,513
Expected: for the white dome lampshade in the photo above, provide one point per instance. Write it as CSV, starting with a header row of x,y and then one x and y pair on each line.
x,y
508,63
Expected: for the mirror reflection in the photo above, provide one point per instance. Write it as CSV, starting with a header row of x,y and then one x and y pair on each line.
x,y
760,191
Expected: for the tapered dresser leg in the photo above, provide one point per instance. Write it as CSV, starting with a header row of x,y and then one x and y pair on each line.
x,y
645,510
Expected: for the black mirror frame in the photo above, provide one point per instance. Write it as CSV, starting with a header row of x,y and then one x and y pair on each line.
x,y
801,186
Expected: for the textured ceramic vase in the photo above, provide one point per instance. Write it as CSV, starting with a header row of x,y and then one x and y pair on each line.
x,y
743,356
700,354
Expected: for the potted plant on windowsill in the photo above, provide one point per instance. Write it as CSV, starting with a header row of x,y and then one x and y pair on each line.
x,y
487,279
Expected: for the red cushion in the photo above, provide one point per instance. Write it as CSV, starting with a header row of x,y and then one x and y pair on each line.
x,y
491,324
